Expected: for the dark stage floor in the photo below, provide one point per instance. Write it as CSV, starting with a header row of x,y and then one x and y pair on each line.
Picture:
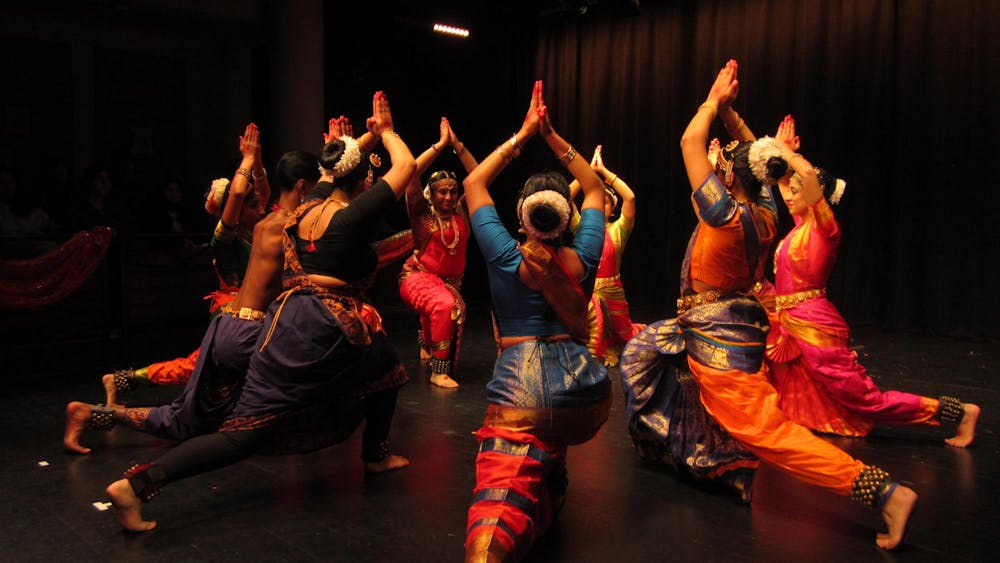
x,y
321,507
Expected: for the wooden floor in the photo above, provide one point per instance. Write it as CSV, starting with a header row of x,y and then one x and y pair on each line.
x,y
321,507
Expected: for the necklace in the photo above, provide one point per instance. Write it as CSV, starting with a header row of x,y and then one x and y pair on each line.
x,y
449,245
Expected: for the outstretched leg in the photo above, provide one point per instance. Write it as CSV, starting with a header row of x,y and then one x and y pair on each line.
x,y
128,507
896,513
966,426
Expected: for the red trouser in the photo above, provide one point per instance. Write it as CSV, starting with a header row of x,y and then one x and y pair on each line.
x,y
517,476
431,298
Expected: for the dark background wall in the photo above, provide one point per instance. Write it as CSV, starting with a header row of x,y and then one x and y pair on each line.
x,y
897,97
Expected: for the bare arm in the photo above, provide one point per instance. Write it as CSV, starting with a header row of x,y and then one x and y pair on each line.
x,y
478,182
380,125
620,186
735,126
241,184
428,157
464,156
694,141
812,191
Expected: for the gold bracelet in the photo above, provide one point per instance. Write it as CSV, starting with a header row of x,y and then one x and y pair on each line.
x,y
391,134
568,157
710,105
246,172
435,149
458,152
612,182
513,141
504,153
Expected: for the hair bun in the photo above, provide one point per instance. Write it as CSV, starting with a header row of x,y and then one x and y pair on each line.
x,y
777,166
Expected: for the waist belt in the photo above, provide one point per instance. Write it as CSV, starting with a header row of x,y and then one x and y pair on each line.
x,y
794,299
245,313
687,302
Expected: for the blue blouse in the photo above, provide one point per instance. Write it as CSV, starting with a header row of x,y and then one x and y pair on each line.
x,y
520,310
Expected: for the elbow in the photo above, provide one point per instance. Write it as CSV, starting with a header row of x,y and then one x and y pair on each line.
x,y
688,141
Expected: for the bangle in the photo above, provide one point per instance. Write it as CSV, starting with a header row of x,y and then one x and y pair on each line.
x,y
710,105
390,134
568,157
513,141
247,173
612,182
457,151
435,149
738,127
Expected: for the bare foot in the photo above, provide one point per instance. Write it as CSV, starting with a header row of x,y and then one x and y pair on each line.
x,y
966,427
443,381
390,463
896,512
128,507
110,389
77,416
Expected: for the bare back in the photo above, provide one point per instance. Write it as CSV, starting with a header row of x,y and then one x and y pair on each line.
x,y
262,282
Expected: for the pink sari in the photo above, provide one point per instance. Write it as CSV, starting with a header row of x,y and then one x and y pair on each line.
x,y
819,380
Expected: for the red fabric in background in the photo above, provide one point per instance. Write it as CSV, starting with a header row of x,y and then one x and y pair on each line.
x,y
51,277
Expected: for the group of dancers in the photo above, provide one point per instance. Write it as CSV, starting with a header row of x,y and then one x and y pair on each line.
x,y
295,357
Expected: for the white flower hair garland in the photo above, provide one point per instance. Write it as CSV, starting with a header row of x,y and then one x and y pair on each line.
x,y
216,195
349,159
760,152
838,192
550,198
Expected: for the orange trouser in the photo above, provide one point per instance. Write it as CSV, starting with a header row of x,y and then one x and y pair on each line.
x,y
746,405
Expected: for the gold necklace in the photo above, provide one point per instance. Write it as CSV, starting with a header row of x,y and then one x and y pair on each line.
x,y
450,246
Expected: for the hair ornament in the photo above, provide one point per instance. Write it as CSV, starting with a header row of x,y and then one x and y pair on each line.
x,y
348,161
762,150
216,196
549,198
838,192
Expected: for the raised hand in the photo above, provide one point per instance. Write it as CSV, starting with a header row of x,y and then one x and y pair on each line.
x,y
381,119
597,162
452,137
250,142
446,132
726,86
786,134
535,111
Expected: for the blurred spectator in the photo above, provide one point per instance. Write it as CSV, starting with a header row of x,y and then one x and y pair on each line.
x,y
18,215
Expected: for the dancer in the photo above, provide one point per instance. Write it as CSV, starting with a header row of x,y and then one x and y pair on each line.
x,y
431,279
214,387
238,204
547,391
723,329
319,367
820,382
610,322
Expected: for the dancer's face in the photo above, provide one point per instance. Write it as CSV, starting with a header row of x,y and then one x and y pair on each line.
x,y
444,194
792,194
252,210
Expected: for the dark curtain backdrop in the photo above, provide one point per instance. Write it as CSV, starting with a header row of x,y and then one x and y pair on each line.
x,y
897,97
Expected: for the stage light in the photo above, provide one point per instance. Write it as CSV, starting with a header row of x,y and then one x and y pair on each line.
x,y
451,30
